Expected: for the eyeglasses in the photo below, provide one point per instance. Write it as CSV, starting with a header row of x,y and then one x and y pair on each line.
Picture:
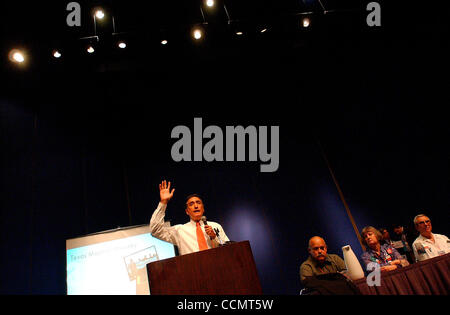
x,y
423,222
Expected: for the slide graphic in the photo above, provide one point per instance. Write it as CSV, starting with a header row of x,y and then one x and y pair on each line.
x,y
114,262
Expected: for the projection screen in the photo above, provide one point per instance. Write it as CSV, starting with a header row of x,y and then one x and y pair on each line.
x,y
113,262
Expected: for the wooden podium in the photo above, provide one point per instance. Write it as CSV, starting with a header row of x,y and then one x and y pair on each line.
x,y
226,270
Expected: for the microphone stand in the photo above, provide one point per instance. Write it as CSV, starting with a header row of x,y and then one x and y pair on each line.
x,y
218,236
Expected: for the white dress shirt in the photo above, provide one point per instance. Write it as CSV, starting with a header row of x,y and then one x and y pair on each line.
x,y
424,248
184,236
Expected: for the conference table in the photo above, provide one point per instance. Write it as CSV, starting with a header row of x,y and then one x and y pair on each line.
x,y
429,277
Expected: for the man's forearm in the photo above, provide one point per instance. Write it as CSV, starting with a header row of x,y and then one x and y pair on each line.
x,y
157,219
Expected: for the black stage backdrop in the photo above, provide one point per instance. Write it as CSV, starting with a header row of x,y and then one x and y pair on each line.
x,y
85,140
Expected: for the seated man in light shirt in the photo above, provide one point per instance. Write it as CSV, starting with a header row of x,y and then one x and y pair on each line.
x,y
192,236
428,245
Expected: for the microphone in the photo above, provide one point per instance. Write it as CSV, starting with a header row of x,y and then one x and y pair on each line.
x,y
205,223
215,230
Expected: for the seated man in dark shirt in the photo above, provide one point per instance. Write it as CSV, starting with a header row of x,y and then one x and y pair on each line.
x,y
319,261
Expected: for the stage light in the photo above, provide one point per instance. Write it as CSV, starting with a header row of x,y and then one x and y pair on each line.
x,y
17,56
306,22
90,49
263,30
164,42
197,33
209,3
56,54
99,14
239,33
122,45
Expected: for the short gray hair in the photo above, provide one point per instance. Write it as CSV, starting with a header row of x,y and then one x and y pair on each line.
x,y
418,216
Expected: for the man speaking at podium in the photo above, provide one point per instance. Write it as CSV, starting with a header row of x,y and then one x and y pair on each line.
x,y
191,237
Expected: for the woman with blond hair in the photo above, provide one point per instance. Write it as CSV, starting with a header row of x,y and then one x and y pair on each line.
x,y
385,255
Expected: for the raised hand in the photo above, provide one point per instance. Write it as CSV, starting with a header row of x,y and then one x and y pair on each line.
x,y
164,192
